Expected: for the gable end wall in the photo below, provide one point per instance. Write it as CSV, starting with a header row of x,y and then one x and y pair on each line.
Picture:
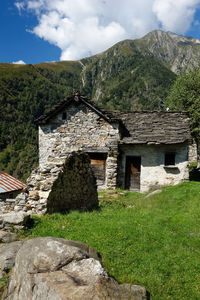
x,y
82,130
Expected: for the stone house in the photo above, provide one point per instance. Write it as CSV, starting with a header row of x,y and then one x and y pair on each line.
x,y
133,150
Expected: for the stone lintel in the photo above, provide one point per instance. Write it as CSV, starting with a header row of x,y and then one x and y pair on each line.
x,y
96,149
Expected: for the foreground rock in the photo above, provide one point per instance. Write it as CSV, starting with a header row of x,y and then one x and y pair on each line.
x,y
8,237
14,219
57,269
7,256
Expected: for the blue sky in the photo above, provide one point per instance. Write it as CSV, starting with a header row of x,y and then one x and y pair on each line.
x,y
18,44
66,29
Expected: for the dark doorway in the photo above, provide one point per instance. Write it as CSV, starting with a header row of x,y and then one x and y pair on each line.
x,y
133,168
98,164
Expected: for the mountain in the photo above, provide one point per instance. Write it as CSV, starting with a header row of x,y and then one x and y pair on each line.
x,y
123,78
133,74
178,53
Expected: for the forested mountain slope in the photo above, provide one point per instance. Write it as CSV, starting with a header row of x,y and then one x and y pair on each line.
x,y
26,92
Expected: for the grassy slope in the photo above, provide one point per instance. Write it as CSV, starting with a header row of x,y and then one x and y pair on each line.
x,y
153,242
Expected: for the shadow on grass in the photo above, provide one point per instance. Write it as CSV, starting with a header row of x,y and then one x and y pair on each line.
x,y
32,222
66,212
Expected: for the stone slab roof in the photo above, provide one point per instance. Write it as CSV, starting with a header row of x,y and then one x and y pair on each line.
x,y
138,127
156,127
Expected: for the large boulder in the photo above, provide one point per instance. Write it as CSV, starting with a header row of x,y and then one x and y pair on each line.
x,y
8,252
57,269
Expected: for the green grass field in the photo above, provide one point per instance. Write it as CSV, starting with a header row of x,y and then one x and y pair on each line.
x,y
154,242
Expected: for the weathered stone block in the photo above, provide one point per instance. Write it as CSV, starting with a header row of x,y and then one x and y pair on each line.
x,y
8,253
44,194
33,194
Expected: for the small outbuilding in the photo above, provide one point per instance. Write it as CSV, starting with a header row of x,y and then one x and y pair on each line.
x,y
137,150
9,186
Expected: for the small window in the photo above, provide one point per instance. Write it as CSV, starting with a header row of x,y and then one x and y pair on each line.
x,y
170,159
64,115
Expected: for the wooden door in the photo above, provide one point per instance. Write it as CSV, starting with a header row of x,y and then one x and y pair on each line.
x,y
98,164
133,168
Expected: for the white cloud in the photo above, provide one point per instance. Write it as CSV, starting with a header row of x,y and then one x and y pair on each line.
x,y
19,62
175,15
84,27
20,6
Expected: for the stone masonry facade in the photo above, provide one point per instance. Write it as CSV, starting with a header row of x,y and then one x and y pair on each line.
x,y
82,130
154,173
192,152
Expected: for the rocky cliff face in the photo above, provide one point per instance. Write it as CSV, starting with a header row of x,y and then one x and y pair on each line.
x,y
125,77
132,73
176,52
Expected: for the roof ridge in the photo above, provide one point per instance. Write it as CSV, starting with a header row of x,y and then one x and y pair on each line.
x,y
76,96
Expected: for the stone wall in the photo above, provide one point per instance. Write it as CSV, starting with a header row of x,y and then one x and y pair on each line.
x,y
192,154
9,195
75,188
71,186
82,130
18,203
153,171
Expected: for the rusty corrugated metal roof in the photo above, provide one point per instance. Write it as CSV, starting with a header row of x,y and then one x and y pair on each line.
x,y
9,183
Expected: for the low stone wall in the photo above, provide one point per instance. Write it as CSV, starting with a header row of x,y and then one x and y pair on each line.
x,y
70,185
75,188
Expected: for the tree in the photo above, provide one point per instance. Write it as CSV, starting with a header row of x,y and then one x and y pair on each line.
x,y
185,95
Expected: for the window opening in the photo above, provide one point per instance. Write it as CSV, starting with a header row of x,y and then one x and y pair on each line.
x,y
170,158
